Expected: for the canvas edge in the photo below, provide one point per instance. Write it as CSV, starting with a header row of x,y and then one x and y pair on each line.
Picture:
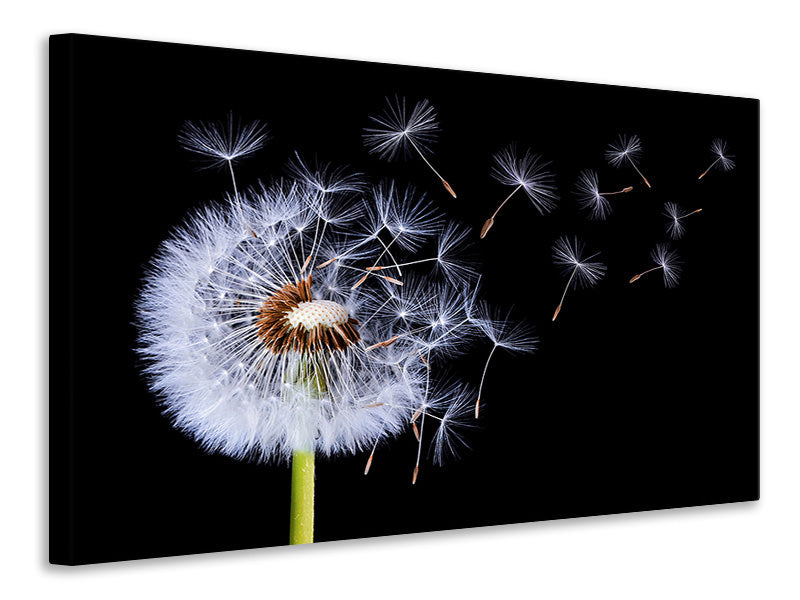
x,y
60,419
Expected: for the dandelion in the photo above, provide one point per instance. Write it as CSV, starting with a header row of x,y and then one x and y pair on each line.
x,y
528,172
626,149
590,198
675,214
397,131
666,260
723,158
259,359
504,332
223,142
583,272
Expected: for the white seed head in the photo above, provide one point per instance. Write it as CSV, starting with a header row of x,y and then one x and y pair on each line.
x,y
529,171
589,197
568,253
674,214
669,262
224,141
397,129
722,155
625,148
504,331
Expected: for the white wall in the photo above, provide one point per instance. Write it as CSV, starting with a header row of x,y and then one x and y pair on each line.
x,y
733,48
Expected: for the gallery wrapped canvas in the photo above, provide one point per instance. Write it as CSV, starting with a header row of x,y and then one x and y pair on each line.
x,y
298,299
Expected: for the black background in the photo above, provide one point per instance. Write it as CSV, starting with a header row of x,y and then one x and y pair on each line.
x,y
639,397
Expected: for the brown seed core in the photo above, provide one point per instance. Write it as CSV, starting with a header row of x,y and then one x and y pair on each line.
x,y
279,329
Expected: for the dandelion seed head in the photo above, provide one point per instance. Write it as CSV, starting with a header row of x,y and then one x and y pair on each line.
x,y
399,127
589,197
569,254
454,257
504,331
724,158
529,171
224,141
669,262
674,213
627,147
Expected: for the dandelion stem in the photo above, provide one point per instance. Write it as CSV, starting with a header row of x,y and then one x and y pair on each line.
x,y
709,168
236,197
446,185
405,264
503,203
483,377
490,221
301,522
690,214
313,254
622,191
233,179
419,446
307,380
566,287
633,164
635,277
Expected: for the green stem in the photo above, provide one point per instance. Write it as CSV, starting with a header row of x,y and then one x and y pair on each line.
x,y
301,522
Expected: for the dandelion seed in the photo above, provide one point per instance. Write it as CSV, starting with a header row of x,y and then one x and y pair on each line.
x,y
666,260
397,131
449,438
223,142
626,149
723,158
504,332
675,214
583,272
590,198
528,172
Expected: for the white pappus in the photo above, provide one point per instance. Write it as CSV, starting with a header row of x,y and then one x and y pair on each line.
x,y
504,332
590,197
667,260
523,171
396,130
723,159
626,149
568,254
675,215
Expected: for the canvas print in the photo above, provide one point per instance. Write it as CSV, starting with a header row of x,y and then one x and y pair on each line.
x,y
297,300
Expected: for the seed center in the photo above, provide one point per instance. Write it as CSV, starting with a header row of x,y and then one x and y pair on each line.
x,y
316,313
